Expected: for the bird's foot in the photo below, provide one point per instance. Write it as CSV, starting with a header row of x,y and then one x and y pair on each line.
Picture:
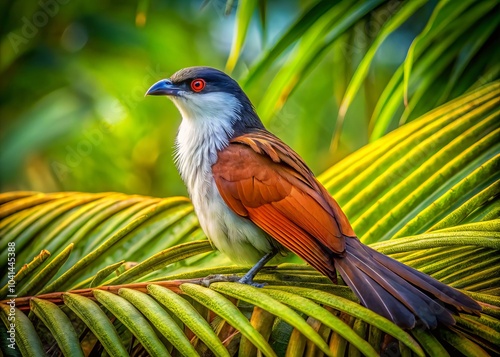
x,y
249,281
229,278
216,278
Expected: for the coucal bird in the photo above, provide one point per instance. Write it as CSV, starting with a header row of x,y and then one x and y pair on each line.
x,y
254,195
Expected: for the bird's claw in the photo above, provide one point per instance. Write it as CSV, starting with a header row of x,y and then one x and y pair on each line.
x,y
251,282
207,281
215,278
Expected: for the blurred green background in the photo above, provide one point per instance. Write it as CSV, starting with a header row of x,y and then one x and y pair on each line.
x,y
73,75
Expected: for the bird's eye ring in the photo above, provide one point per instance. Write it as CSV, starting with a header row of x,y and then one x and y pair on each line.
x,y
198,84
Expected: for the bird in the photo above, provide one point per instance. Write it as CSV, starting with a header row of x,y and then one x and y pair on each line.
x,y
255,197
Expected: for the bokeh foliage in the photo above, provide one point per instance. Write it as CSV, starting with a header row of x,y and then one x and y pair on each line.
x,y
73,116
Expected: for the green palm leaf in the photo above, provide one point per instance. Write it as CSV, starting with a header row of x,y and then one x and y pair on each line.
x,y
135,261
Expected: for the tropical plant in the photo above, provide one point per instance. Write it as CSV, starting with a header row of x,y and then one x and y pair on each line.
x,y
453,39
316,59
82,295
116,274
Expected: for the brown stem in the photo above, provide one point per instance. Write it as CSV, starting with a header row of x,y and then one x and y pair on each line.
x,y
23,303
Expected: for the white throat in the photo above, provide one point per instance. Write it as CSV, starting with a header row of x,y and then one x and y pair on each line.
x,y
206,128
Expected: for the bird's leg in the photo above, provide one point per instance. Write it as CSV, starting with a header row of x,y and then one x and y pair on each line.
x,y
247,278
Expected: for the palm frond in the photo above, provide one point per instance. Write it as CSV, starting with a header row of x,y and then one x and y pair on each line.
x,y
123,273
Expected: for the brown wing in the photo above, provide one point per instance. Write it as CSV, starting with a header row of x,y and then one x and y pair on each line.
x,y
261,178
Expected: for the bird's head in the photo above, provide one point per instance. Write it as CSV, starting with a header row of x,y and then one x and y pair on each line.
x,y
204,93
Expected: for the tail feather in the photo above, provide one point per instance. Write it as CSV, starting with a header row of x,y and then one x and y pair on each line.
x,y
417,302
398,292
373,296
441,291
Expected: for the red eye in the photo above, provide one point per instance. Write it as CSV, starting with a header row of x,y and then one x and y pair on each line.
x,y
198,84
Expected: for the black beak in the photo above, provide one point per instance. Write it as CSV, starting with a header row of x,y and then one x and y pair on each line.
x,y
163,87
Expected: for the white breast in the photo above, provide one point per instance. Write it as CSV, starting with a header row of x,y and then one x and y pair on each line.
x,y
201,135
